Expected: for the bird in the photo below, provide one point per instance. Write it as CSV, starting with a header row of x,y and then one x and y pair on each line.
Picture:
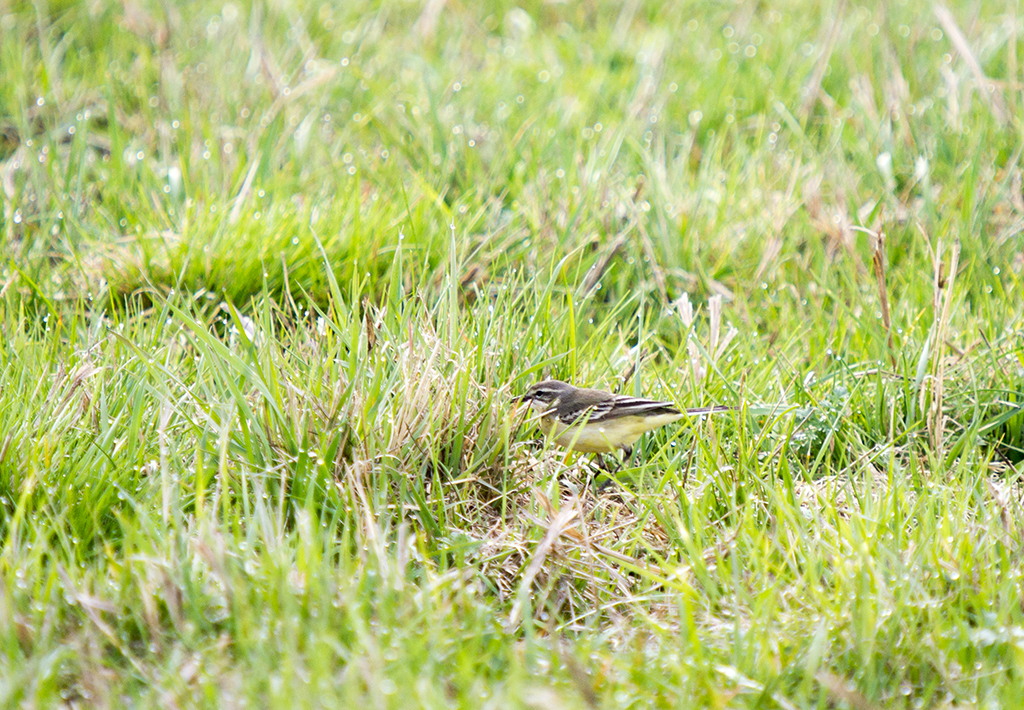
x,y
598,422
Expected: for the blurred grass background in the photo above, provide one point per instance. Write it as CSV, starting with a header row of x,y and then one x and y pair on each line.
x,y
271,274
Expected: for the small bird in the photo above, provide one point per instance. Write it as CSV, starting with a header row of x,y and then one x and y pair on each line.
x,y
597,422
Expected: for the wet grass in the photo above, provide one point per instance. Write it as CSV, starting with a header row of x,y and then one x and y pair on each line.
x,y
272,274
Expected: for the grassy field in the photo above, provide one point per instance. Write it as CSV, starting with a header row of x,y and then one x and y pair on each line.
x,y
270,277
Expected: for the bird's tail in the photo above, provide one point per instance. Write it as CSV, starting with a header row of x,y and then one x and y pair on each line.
x,y
697,411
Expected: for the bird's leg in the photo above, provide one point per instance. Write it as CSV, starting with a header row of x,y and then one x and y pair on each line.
x,y
601,483
610,469
620,463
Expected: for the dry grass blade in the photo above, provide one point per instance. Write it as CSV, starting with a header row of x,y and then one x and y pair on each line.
x,y
718,343
684,309
166,411
1011,49
1002,497
558,526
371,327
627,375
746,684
92,605
813,85
838,691
419,378
943,298
243,192
704,360
370,530
426,24
987,88
878,261
580,678
597,271
5,446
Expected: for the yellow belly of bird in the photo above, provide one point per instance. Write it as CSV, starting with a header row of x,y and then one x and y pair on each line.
x,y
603,437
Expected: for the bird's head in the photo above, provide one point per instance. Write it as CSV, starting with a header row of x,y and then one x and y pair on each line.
x,y
544,394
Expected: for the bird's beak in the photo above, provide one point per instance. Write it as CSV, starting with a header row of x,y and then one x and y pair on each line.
x,y
518,402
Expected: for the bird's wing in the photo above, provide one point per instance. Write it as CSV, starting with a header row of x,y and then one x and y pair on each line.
x,y
632,406
614,407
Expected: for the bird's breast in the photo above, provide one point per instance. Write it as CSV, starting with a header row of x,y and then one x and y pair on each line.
x,y
603,436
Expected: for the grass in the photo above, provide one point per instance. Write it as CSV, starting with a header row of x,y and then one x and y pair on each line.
x,y
272,274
